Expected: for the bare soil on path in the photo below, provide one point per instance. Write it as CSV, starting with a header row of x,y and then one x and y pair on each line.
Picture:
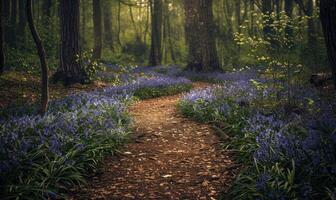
x,y
171,158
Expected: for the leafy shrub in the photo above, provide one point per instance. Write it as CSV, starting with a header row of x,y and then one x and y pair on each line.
x,y
161,86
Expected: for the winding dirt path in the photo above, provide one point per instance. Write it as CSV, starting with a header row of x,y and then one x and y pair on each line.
x,y
171,158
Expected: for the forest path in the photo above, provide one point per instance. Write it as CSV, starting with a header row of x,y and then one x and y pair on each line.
x,y
171,158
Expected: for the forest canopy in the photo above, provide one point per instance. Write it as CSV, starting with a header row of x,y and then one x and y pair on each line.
x,y
141,32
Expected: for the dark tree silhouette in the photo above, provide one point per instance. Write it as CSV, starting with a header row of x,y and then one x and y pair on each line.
x,y
328,19
289,12
22,21
70,70
200,36
98,29
267,10
13,21
155,57
43,60
2,51
108,33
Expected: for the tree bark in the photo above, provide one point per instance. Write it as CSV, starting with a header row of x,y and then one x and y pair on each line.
x,y
200,35
311,30
70,70
155,57
6,16
43,60
22,21
13,25
289,13
267,10
192,35
83,25
2,50
108,34
238,15
209,50
98,29
328,19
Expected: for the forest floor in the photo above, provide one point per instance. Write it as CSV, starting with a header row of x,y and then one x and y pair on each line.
x,y
19,88
171,158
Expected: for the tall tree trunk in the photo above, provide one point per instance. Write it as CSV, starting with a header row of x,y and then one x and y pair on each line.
x,y
207,25
98,29
238,12
252,30
43,60
200,35
2,50
13,25
312,34
170,40
108,34
70,70
328,19
267,10
119,23
289,13
22,21
83,25
192,34
6,16
155,56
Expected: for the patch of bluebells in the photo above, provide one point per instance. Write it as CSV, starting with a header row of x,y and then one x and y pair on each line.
x,y
80,124
167,71
220,77
75,132
280,137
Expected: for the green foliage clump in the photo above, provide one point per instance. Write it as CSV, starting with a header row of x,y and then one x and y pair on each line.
x,y
153,92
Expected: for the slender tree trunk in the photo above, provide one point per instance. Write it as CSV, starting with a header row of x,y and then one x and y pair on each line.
x,y
252,31
277,4
22,21
6,8
13,25
43,60
6,17
2,50
108,34
155,56
267,10
328,19
70,70
119,23
83,26
146,25
238,16
170,40
289,13
312,37
98,29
